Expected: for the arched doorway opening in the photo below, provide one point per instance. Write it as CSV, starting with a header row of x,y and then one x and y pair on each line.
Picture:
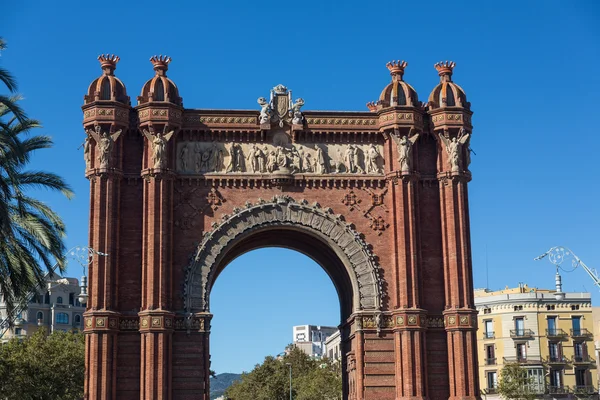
x,y
257,300
308,229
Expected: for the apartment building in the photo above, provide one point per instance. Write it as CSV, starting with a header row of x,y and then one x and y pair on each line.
x,y
548,332
311,338
55,307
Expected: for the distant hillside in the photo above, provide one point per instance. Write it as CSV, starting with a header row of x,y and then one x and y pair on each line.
x,y
219,384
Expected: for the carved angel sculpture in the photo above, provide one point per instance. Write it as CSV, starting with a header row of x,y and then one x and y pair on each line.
x,y
87,154
159,146
454,148
265,110
105,143
405,144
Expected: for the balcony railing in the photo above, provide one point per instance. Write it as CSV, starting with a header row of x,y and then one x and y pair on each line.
x,y
556,333
490,391
488,335
556,360
582,360
558,389
523,360
490,361
521,333
581,333
584,389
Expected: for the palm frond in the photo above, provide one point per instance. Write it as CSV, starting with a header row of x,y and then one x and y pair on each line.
x,y
8,80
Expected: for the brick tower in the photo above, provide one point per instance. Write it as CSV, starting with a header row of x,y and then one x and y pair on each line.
x,y
378,198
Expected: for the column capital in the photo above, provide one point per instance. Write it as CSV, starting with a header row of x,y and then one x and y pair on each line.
x,y
100,321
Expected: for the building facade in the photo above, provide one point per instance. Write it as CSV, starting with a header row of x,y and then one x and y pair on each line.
x,y
548,332
311,338
333,347
56,307
377,197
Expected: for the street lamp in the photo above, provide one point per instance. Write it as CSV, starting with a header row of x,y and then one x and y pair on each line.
x,y
290,365
84,256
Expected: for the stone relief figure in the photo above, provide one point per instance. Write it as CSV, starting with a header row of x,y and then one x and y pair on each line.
x,y
158,143
321,161
205,160
215,162
338,165
300,159
298,118
183,157
105,143
236,162
373,157
265,110
251,159
454,148
405,144
308,163
271,160
260,159
197,158
349,159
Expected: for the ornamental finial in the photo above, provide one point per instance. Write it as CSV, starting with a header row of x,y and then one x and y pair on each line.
x,y
372,106
161,63
396,67
108,62
445,68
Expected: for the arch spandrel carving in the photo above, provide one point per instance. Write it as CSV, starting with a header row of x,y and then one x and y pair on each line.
x,y
284,212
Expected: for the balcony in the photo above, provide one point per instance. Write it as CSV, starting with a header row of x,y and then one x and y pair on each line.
x,y
537,360
582,360
556,360
558,390
521,333
489,335
581,333
556,333
490,361
584,389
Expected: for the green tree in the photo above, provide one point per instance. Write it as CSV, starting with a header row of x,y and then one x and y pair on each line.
x,y
311,379
31,233
43,367
515,384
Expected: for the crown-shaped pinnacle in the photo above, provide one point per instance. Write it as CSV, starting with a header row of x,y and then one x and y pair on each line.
x,y
372,106
160,62
396,67
108,62
445,67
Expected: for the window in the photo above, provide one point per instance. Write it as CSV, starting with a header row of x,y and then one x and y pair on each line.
x,y
72,298
580,351
521,351
520,326
518,308
159,90
490,355
59,300
105,90
62,318
18,331
489,329
556,378
536,377
576,324
487,310
77,319
492,380
580,377
40,316
550,307
47,298
552,326
575,307
554,350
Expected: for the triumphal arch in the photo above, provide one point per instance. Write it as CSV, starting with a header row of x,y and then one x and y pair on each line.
x,y
377,197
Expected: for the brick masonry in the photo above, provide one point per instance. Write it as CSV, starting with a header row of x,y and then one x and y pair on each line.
x,y
144,339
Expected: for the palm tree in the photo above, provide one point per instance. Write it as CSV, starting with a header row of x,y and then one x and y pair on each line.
x,y
10,102
31,233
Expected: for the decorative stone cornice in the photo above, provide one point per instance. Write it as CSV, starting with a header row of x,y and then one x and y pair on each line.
x,y
100,321
460,319
156,321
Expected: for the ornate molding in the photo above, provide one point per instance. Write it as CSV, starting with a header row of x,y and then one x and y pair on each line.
x,y
283,211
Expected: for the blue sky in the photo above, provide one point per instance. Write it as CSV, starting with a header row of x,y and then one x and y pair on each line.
x,y
529,70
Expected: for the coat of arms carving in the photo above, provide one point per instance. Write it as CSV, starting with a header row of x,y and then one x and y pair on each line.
x,y
280,108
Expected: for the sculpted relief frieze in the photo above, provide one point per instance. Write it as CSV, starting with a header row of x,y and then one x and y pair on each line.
x,y
194,157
